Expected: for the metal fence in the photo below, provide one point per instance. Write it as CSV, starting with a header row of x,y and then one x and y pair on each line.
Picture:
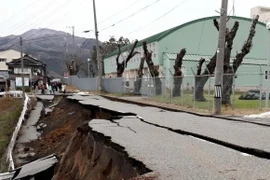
x,y
189,91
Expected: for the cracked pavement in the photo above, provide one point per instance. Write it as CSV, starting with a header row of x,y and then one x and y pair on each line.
x,y
176,156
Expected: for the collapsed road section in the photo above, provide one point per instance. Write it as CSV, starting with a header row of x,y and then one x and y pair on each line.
x,y
82,154
96,138
179,145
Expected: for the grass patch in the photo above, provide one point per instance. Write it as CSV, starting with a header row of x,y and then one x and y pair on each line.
x,y
187,101
10,110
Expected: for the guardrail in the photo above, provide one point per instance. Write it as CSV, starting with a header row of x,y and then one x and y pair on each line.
x,y
15,134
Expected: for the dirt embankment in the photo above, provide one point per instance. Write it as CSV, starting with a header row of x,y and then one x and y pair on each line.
x,y
84,154
90,155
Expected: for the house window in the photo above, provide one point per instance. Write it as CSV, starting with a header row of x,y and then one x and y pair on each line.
x,y
3,59
154,55
19,71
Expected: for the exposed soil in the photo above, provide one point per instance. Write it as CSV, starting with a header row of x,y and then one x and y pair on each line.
x,y
90,155
83,154
61,124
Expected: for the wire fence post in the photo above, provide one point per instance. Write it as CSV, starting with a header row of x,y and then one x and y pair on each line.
x,y
209,87
148,86
182,92
194,87
233,90
162,89
261,86
171,92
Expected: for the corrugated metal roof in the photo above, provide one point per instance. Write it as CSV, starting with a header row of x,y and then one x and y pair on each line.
x,y
161,35
196,57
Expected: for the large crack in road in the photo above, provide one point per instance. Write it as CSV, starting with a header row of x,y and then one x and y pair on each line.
x,y
127,140
251,151
125,117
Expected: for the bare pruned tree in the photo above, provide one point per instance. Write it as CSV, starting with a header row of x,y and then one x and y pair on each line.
x,y
74,65
153,70
228,69
120,66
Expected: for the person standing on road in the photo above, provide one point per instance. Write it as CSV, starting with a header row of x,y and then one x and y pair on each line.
x,y
50,89
63,88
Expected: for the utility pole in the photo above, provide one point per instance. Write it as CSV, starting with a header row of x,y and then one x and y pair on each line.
x,y
73,42
98,50
22,67
220,58
268,67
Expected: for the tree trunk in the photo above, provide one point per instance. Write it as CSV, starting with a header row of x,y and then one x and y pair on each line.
x,y
153,70
199,85
227,86
200,80
138,82
177,82
178,75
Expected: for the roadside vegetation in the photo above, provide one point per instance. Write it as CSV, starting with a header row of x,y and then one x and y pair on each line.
x,y
10,111
187,100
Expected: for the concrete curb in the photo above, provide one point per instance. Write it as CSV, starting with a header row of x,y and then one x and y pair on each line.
x,y
15,133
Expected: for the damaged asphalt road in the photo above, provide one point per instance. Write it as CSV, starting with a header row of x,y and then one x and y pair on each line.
x,y
179,145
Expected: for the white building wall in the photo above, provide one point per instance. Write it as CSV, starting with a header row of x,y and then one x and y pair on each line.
x,y
263,12
133,64
8,56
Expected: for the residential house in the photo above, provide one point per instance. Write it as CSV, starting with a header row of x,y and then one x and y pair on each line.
x,y
34,71
6,57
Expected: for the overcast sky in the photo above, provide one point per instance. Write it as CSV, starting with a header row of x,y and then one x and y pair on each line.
x,y
18,16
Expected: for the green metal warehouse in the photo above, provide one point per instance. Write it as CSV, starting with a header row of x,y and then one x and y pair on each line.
x,y
199,37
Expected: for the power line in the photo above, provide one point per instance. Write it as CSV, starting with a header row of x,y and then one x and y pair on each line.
x,y
176,6
16,26
199,45
23,22
19,12
233,9
85,43
61,16
44,38
118,22
119,12
51,13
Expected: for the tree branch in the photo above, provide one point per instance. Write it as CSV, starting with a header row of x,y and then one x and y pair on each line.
x,y
119,53
132,53
229,39
247,46
231,35
216,24
211,65
178,63
199,67
148,57
121,66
